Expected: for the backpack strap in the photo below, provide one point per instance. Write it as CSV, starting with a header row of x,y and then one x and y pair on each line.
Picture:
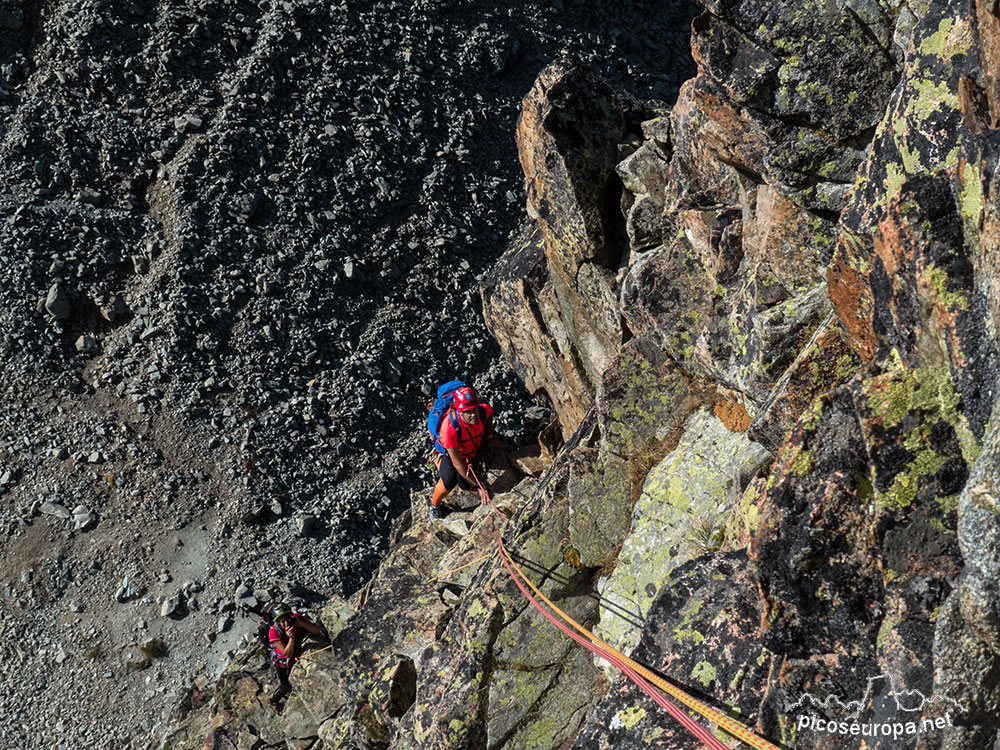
x,y
457,423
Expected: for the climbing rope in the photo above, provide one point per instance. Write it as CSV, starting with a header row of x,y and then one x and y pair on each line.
x,y
455,570
733,727
686,721
312,653
484,495
636,672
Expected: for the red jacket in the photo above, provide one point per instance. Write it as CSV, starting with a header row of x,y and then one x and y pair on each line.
x,y
468,438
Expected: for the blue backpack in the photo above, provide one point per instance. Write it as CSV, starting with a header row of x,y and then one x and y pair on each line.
x,y
439,407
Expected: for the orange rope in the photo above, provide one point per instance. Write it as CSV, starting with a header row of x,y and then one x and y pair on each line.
x,y
733,727
636,672
455,570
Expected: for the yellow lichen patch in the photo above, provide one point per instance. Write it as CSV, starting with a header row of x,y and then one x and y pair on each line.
x,y
894,179
931,96
803,464
972,194
953,37
951,300
911,159
629,717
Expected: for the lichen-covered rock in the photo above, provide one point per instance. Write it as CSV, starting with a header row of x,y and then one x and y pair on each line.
x,y
903,272
682,513
717,307
800,80
599,501
826,362
966,645
641,398
700,633
856,542
644,175
493,634
923,303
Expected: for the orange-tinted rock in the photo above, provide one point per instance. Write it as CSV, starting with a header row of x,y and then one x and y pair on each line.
x,y
534,328
697,176
850,293
796,244
733,415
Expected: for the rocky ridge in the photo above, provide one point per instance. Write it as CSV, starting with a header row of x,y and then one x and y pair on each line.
x,y
777,485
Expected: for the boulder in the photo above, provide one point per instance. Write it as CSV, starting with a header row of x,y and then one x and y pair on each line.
x,y
644,176
57,302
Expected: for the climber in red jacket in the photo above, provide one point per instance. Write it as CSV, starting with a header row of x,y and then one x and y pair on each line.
x,y
465,436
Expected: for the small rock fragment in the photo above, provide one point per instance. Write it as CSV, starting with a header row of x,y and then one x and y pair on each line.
x,y
57,302
171,605
87,345
83,518
55,510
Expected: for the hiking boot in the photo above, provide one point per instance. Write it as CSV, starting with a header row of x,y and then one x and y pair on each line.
x,y
278,708
435,512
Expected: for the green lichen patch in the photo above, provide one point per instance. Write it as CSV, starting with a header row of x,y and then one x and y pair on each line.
x,y
938,278
803,463
928,389
953,37
918,429
971,198
704,673
629,717
931,96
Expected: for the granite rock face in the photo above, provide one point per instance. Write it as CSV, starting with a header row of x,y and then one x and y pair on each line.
x,y
568,135
767,321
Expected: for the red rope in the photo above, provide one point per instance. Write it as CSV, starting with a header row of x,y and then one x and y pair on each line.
x,y
484,495
686,721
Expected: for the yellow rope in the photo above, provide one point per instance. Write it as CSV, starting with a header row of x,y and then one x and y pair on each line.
x,y
733,727
455,570
317,651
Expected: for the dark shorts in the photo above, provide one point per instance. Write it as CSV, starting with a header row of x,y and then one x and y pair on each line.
x,y
450,476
